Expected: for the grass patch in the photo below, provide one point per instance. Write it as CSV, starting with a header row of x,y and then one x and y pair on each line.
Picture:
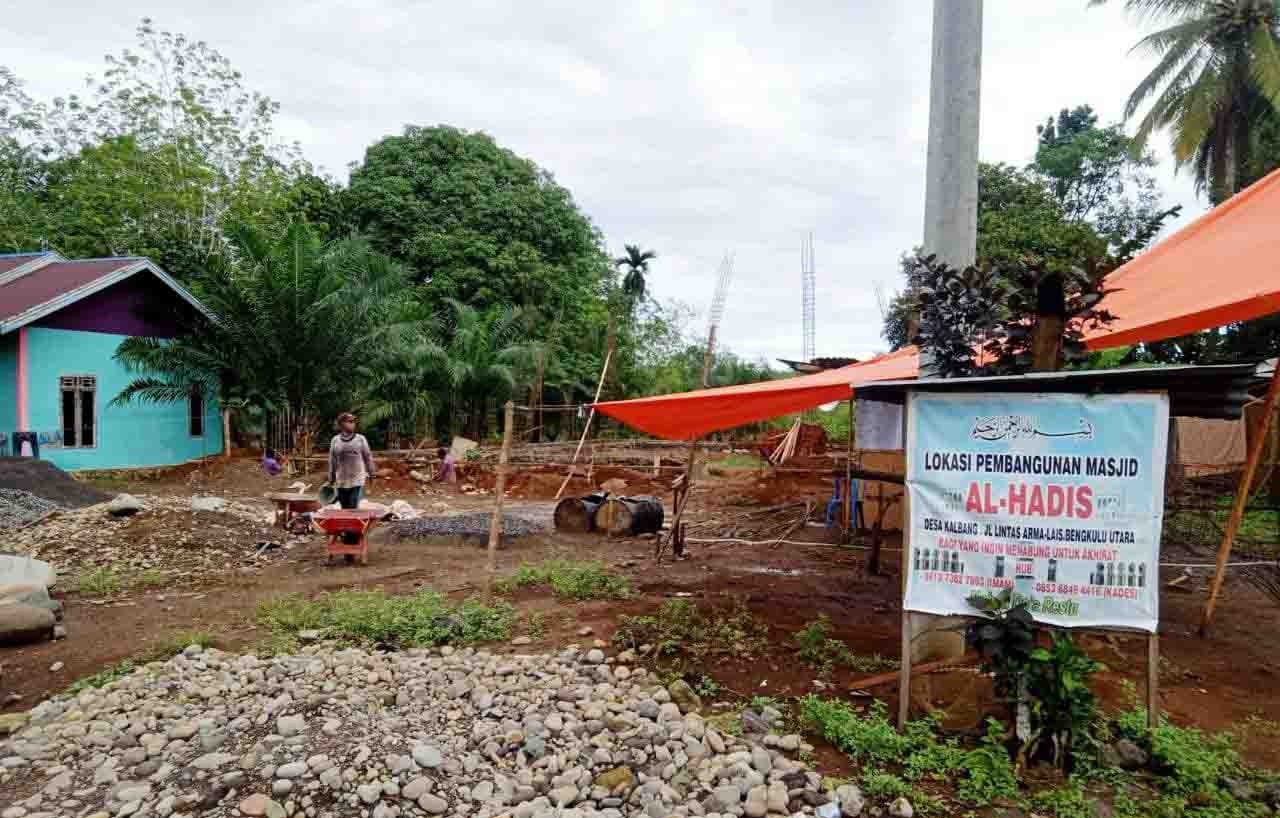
x,y
816,647
981,775
740,460
100,582
103,677
535,625
573,580
689,636
150,578
372,617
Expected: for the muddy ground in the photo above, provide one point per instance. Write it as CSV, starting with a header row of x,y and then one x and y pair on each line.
x,y
1228,682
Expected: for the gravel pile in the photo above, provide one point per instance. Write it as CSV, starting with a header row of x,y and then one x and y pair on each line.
x,y
18,507
465,525
340,732
187,547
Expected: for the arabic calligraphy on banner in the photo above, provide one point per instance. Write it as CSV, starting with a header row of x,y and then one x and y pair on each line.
x,y
1058,498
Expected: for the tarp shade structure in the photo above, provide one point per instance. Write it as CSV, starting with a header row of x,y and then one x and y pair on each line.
x,y
692,414
1222,268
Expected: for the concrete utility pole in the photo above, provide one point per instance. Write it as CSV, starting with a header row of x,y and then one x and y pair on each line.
x,y
950,233
951,189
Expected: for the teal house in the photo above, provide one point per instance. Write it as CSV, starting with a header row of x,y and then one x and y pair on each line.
x,y
61,321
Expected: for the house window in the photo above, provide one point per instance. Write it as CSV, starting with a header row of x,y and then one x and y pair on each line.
x,y
195,413
79,404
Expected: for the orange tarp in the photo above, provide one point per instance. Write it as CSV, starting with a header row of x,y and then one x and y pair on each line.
x,y
692,414
1221,268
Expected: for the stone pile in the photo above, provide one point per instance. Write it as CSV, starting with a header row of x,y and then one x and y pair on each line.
x,y
465,525
343,732
19,508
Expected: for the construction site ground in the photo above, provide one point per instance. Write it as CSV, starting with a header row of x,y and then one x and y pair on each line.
x,y
1227,682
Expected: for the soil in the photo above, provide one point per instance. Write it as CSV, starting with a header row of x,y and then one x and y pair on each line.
x,y
43,479
1228,682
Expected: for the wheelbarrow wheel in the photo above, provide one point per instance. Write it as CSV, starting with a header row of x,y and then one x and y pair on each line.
x,y
350,558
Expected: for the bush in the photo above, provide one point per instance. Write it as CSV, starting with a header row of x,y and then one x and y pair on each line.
x,y
815,646
100,582
422,619
574,580
681,629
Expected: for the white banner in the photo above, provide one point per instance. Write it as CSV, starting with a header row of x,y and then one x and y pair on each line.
x,y
1057,497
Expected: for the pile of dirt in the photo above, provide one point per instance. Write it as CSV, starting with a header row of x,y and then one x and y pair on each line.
x,y
165,544
47,481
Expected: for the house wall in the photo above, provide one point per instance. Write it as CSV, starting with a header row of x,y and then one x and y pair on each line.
x,y
8,389
131,436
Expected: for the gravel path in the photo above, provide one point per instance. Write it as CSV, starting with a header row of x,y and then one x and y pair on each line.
x,y
341,732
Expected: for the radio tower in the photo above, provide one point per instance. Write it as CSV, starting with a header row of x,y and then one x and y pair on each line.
x,y
723,277
807,297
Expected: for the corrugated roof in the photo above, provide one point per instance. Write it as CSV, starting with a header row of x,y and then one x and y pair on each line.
x,y
12,261
43,285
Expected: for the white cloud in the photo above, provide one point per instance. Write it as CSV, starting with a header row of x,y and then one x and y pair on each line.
x,y
690,128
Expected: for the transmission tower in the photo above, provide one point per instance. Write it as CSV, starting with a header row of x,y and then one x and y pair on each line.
x,y
723,277
807,274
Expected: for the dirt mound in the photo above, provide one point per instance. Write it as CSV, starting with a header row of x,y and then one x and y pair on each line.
x,y
45,480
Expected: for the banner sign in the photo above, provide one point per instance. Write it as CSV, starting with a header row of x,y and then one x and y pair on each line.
x,y
1059,498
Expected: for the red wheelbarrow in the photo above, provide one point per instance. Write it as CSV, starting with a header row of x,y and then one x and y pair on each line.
x,y
348,532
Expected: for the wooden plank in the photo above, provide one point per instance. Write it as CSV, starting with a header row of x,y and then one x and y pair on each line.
x,y
499,491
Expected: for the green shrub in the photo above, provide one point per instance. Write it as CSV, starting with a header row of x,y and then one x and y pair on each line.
x,y
100,582
816,647
103,677
574,580
1067,801
870,737
423,618
990,772
681,629
884,786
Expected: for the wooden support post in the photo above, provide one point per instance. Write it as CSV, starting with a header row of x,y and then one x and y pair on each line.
x,y
1153,681
603,372
495,524
850,502
1242,499
904,669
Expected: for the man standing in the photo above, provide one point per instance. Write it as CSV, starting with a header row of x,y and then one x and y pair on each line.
x,y
350,462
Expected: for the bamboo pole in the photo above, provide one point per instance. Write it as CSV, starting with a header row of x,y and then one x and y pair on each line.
x,y
495,523
578,451
1242,498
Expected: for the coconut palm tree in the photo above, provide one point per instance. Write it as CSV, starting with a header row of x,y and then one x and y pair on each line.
x,y
1218,73
637,263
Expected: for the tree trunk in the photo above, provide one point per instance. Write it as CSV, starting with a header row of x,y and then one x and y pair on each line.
x,y
1046,339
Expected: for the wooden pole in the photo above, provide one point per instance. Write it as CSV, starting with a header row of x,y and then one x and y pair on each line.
x,y
904,668
904,679
1153,681
850,502
1242,499
603,372
495,523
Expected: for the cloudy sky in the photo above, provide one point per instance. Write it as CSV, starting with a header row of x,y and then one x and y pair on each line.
x,y
695,128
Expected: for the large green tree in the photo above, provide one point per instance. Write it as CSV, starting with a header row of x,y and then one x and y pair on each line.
x,y
476,222
161,155
1217,74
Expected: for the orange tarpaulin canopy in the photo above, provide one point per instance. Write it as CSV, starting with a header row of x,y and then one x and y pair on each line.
x,y
692,414
1221,268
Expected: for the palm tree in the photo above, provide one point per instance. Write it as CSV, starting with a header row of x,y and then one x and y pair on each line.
x,y
294,319
483,354
1218,73
637,263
